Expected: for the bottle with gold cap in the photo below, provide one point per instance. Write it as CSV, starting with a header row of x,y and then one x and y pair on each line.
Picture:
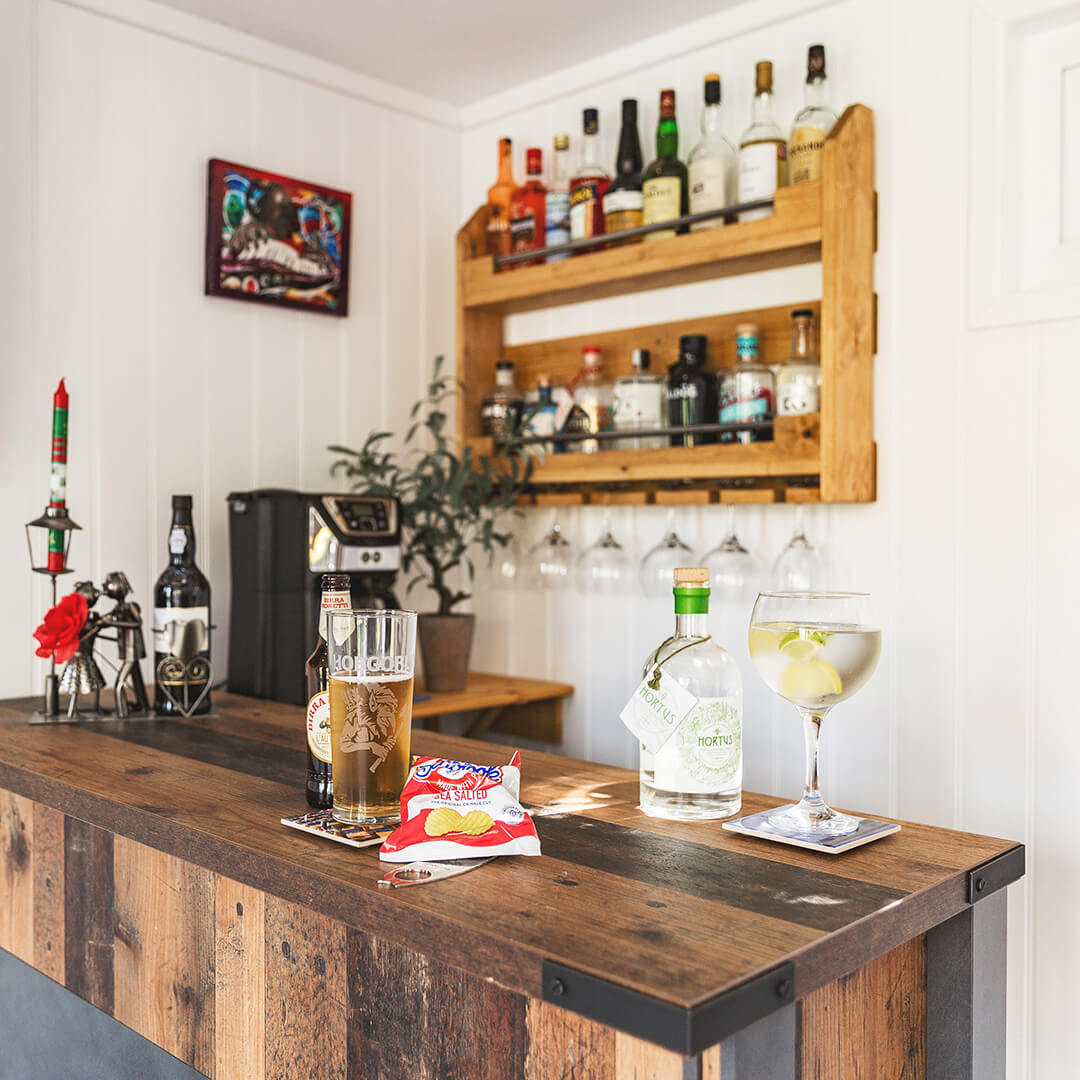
x,y
813,122
762,149
697,773
712,162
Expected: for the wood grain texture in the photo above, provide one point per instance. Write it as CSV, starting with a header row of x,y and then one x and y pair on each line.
x,y
16,876
412,1016
88,913
239,981
486,691
306,995
871,1023
560,1045
164,952
848,310
48,860
639,1060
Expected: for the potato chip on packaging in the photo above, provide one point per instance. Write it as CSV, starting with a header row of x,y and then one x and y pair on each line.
x,y
455,810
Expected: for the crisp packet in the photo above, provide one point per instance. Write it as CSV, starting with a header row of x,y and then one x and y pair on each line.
x,y
454,810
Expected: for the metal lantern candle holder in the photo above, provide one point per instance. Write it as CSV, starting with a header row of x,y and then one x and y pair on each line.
x,y
55,520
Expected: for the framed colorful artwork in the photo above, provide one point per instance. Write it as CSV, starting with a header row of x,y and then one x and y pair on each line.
x,y
275,240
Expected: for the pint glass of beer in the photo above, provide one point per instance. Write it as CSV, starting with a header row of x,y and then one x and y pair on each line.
x,y
371,656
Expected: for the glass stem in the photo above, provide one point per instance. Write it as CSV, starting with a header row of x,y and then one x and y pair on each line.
x,y
812,802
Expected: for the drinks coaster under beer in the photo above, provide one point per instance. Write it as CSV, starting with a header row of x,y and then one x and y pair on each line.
x,y
322,823
758,825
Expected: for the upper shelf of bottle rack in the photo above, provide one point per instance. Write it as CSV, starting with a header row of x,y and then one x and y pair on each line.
x,y
791,235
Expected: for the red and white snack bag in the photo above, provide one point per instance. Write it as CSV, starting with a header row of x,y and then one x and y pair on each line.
x,y
454,810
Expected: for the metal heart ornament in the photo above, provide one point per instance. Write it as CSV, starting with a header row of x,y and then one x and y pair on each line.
x,y
174,672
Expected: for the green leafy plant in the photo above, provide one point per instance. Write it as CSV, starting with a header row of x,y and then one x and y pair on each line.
x,y
451,497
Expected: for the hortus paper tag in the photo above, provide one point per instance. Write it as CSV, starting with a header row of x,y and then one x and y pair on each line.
x,y
659,705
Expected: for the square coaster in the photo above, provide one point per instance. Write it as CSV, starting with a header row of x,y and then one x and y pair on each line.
x,y
869,829
322,823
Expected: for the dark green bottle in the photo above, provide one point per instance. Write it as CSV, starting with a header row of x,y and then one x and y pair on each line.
x,y
664,187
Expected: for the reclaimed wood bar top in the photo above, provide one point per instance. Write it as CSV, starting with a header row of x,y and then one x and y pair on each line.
x,y
680,912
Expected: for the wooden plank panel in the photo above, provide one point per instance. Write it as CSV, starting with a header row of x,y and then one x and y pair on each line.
x,y
562,1044
847,310
164,953
560,358
239,981
410,1015
636,1059
747,496
306,996
88,913
16,876
683,497
870,1023
48,859
802,495
791,235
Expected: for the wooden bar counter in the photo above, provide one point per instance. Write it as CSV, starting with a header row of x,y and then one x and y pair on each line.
x,y
143,867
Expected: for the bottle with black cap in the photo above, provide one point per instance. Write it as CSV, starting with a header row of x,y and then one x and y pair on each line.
x,y
622,203
182,671
639,404
812,124
691,391
712,162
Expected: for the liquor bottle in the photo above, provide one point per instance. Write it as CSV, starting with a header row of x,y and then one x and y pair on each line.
x,y
691,391
712,162
812,123
697,773
498,232
500,413
663,184
557,225
640,402
588,405
622,203
798,382
182,671
748,390
528,208
541,420
336,596
501,192
762,150
588,186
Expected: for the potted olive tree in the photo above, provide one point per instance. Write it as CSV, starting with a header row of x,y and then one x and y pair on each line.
x,y
450,502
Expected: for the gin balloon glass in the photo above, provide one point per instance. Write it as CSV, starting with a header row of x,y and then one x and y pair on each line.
x,y
814,649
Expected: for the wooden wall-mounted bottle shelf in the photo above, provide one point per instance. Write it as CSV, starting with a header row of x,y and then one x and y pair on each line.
x,y
833,221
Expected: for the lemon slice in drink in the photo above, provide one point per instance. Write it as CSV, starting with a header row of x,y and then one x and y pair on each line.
x,y
795,646
810,680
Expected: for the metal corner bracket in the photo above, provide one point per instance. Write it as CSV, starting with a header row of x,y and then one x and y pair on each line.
x,y
685,1030
996,873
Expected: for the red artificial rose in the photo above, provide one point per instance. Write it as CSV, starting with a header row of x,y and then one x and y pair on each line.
x,y
58,635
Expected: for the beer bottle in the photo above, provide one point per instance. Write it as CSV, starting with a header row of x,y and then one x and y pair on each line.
x,y
336,596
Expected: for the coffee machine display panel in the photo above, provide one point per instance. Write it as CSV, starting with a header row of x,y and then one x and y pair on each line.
x,y
353,532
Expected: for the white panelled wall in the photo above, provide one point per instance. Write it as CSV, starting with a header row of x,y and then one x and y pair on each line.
x,y
969,548
172,391
110,109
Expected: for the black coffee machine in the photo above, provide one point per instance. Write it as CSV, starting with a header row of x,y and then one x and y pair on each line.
x,y
280,544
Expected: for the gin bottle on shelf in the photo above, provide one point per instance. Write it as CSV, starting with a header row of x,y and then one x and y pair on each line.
x,y
712,161
500,413
557,227
588,405
691,391
812,123
588,185
798,382
622,203
697,773
762,149
640,401
747,390
541,415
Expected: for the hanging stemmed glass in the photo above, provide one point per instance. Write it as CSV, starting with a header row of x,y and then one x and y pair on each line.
x,y
548,563
798,567
814,649
658,564
734,572
603,568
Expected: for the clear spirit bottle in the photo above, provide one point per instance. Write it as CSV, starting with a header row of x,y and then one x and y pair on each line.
x,y
812,123
712,162
502,408
557,229
762,149
798,382
640,403
589,404
697,773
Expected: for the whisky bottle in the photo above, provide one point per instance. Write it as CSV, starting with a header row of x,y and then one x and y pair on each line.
x,y
697,773
712,162
557,205
622,203
812,123
663,184
182,671
336,596
762,150
588,185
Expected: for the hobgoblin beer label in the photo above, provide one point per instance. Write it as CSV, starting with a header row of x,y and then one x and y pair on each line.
x,y
318,726
806,150
705,754
656,709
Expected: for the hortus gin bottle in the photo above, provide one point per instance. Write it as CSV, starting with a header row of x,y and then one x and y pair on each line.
x,y
697,773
